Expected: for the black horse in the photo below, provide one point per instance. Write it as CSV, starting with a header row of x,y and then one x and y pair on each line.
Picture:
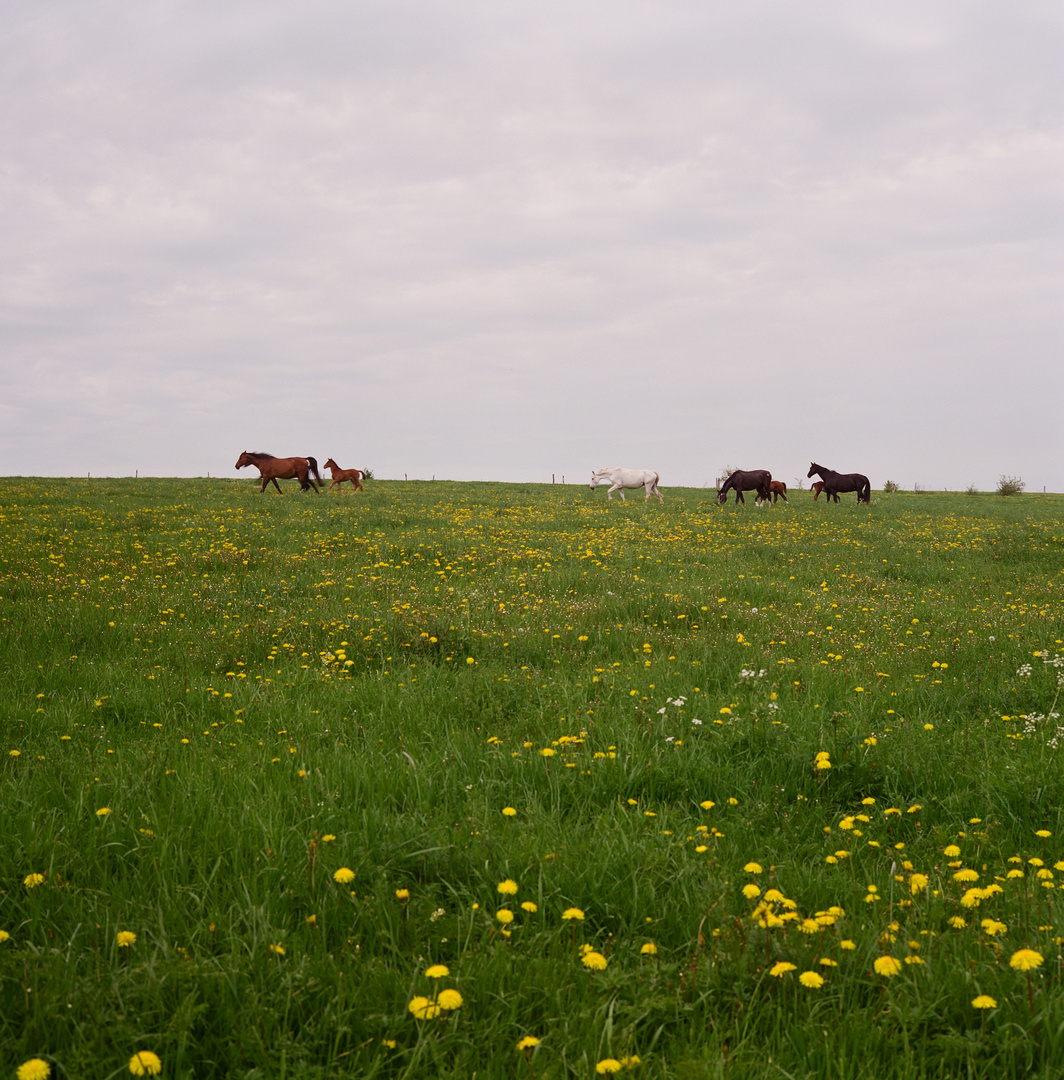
x,y
755,480
835,482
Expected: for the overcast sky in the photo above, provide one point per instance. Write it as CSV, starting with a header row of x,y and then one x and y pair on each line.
x,y
497,240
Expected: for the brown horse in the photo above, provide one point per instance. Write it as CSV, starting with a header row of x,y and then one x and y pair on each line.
x,y
282,468
340,475
779,490
754,480
818,487
835,482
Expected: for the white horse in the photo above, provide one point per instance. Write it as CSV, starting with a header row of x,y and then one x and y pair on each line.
x,y
627,478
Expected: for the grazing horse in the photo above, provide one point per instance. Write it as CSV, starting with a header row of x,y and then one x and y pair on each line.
x,y
758,480
779,490
627,478
282,468
817,488
340,475
835,482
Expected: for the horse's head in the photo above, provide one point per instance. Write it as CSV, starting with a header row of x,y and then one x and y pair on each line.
x,y
330,464
722,496
243,460
594,480
813,469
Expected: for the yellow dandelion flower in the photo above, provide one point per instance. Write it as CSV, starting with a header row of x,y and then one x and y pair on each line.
x,y
707,804
277,950
529,906
145,1063
608,1066
1025,960
437,971
422,1008
957,922
507,887
505,916
917,883
547,751
344,875
848,945
887,966
649,949
402,894
125,938
509,811
594,960
103,811
965,875
573,913
529,1042
31,881
826,961
811,979
778,970
752,868
34,1069
449,1000
984,1001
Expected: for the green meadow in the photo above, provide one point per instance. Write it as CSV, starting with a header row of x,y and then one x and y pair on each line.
x,y
456,780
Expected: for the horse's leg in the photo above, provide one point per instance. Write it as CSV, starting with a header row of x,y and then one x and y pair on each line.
x,y
616,487
275,484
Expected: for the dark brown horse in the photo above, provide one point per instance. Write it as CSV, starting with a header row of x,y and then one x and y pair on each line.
x,y
835,482
817,488
779,490
340,475
755,480
282,468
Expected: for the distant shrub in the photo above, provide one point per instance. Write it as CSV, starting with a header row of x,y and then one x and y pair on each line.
x,y
971,489
890,487
1010,485
367,474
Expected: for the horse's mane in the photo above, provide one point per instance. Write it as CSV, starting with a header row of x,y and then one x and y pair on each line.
x,y
260,454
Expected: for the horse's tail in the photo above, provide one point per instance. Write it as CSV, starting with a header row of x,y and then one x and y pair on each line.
x,y
313,463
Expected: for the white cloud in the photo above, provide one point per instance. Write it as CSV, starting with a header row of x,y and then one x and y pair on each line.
x,y
493,241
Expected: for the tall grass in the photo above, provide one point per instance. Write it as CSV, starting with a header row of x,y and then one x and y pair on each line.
x,y
215,701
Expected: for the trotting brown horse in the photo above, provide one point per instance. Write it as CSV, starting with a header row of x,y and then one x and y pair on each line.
x,y
340,475
779,490
818,487
282,468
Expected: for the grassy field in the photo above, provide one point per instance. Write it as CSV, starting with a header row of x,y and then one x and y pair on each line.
x,y
396,785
